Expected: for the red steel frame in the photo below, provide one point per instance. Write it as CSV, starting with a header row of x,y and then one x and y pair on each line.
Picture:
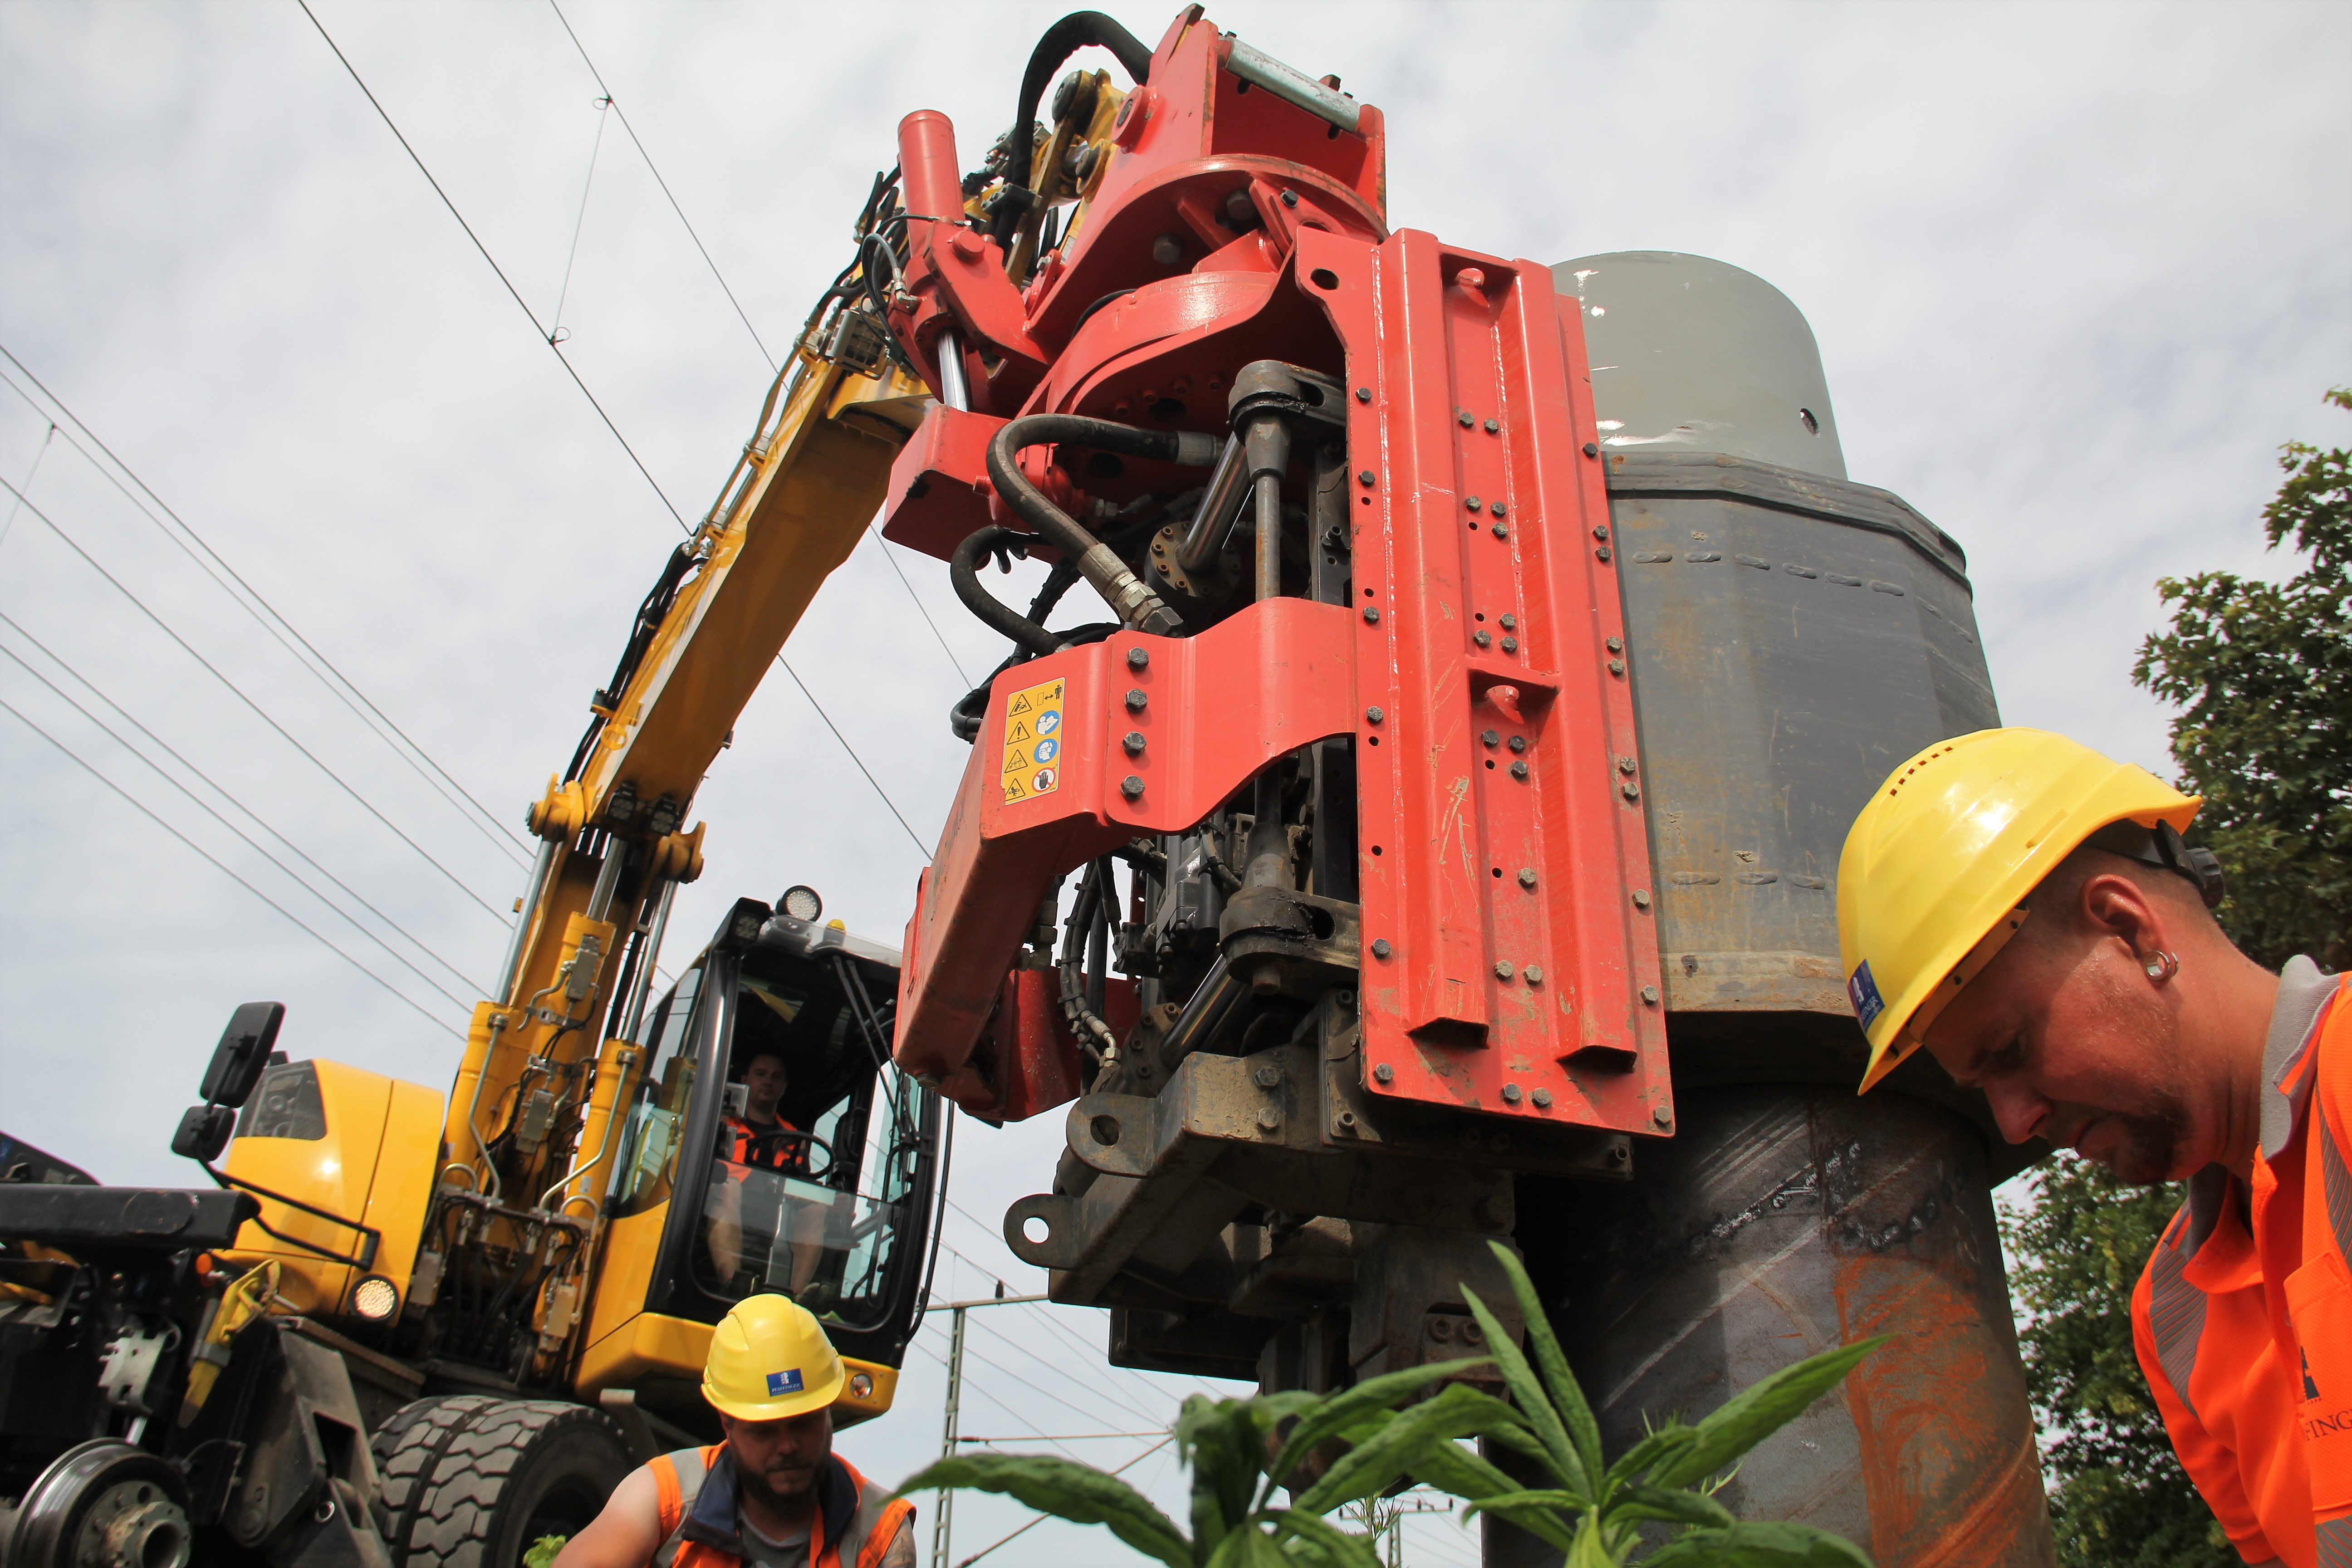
x,y
1510,966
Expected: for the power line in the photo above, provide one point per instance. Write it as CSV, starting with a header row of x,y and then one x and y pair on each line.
x,y
50,524
920,608
851,750
525,309
648,157
212,564
240,881
1042,1518
29,474
579,221
228,795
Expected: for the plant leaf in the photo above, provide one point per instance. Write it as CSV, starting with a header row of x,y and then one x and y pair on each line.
x,y
1218,1439
1343,1410
1675,1504
1766,1544
1247,1547
1534,1405
1748,1418
1536,1512
1325,1542
1369,1467
1067,1489
1547,1497
1649,1453
1543,1347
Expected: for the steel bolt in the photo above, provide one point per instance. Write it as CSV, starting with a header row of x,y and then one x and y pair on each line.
x,y
1616,666
1502,532
1616,645
1511,644
1641,897
1490,739
1543,1100
1363,395
1136,700
1367,478
1470,503
1138,657
1630,790
1132,787
1511,1095
1518,770
1624,764
1345,1121
1383,1073
1291,198
1133,741
1371,615
1269,1117
1492,427
1528,878
1441,1329
1590,450
1650,995
1519,742
1503,970
1510,623
1602,553
1374,715
1268,1076
1535,975
1381,950
1168,250
1496,508
1481,637
1599,530
1663,1117
1465,417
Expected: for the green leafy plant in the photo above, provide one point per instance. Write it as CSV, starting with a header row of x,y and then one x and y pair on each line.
x,y
1594,1512
543,1552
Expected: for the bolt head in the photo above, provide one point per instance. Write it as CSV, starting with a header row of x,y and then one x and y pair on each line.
x,y
1168,250
1136,700
1518,770
1519,742
1510,623
1383,1073
1502,532
1471,503
1602,553
1650,995
1511,1095
1503,970
1641,897
1495,507
1267,1076
966,243
1543,1100
1133,741
1381,948
1526,876
1269,1117
1481,637
1138,657
1465,417
1490,739
1630,790
1511,644
1363,395
1599,530
1132,787
1616,645
1367,478
1535,975
1590,450
1372,614
1345,1120
1291,198
1491,427
1373,715
1440,1328
1624,764
1616,666
1663,1117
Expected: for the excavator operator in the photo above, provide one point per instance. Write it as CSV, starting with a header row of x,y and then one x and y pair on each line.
x,y
749,1201
775,1494
2026,909
761,1136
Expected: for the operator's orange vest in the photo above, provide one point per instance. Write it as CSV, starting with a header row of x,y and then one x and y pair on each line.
x,y
855,1524
2243,1315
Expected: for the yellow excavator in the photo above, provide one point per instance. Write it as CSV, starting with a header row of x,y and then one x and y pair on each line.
x,y
402,1328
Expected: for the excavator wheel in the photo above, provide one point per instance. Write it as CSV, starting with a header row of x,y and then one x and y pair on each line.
x,y
471,1482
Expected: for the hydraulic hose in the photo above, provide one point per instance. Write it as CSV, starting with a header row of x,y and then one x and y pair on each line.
x,y
963,571
1063,39
1136,604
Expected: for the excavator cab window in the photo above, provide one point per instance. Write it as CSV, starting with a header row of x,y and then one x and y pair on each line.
x,y
658,1114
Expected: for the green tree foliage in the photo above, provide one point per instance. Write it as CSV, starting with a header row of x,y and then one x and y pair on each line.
x,y
1592,1511
2118,1497
2263,675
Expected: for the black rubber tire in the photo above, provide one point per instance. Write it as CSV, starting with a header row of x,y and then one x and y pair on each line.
x,y
471,1482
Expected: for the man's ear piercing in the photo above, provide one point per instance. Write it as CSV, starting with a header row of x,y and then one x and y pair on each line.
x,y
2163,966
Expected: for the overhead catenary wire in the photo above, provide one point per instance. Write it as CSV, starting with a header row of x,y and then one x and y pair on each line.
x,y
132,800
579,221
30,474
238,691
228,795
854,757
267,615
968,1561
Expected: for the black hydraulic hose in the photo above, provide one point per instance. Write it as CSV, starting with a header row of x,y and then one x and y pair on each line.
x,y
1137,604
963,572
1063,39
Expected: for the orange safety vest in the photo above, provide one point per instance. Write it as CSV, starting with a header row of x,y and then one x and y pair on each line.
x,y
2242,1318
855,1524
789,1157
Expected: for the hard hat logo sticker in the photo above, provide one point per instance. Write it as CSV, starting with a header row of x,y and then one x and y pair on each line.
x,y
1031,741
1862,991
781,1383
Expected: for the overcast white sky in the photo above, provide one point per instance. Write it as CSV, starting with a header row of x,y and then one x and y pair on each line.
x,y
2076,269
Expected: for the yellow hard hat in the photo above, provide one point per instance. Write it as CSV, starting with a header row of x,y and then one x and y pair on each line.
x,y
768,1359
1952,843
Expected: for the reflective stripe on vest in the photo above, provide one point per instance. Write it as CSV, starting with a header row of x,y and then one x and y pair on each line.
x,y
872,1525
2176,1307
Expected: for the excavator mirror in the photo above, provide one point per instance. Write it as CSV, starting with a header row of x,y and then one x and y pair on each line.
x,y
203,1132
244,1050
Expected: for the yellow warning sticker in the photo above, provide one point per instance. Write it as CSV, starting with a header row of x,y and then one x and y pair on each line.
x,y
1033,742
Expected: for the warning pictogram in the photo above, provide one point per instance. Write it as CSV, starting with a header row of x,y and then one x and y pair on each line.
x,y
1032,713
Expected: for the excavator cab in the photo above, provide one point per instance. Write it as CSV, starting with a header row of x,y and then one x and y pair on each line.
x,y
723,1187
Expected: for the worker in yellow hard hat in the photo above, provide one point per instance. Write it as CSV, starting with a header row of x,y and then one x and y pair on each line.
x,y
2026,909
775,1494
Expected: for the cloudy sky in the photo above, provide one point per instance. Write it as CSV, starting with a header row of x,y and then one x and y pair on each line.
x,y
2076,270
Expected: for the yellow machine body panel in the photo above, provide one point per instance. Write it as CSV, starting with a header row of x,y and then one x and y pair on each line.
x,y
347,1141
654,1346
